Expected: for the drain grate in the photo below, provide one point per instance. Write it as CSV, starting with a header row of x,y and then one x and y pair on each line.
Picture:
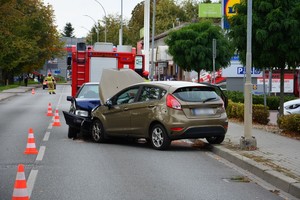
x,y
237,179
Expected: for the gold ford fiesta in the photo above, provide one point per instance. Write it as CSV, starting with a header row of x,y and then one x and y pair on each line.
x,y
160,111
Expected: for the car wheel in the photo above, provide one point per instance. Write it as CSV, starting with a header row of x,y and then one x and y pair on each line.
x,y
98,131
215,139
72,132
159,138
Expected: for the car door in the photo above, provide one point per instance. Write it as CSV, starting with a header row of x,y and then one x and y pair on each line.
x,y
118,116
144,109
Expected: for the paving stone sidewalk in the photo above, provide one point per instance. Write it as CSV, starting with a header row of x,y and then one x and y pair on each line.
x,y
277,159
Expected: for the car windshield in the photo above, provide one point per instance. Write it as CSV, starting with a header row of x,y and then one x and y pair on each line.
x,y
88,92
196,94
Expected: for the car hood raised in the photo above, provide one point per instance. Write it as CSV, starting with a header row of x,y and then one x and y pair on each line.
x,y
112,81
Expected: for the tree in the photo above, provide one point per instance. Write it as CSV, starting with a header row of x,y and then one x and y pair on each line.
x,y
27,37
191,47
275,35
68,30
190,8
136,22
168,14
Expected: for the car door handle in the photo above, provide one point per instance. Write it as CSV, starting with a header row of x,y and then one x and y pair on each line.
x,y
125,109
151,106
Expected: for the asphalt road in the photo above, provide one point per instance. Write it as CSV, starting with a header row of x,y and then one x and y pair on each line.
x,y
80,169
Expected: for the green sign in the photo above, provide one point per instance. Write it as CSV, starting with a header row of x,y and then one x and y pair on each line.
x,y
210,10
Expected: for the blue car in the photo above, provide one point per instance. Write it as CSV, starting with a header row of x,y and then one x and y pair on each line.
x,y
78,118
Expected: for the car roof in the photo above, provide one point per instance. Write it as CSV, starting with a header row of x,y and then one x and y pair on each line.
x,y
173,84
91,83
291,102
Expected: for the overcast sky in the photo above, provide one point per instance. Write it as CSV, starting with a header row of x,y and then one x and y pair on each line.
x,y
73,11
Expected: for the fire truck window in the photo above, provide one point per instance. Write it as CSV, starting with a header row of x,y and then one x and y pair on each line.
x,y
81,46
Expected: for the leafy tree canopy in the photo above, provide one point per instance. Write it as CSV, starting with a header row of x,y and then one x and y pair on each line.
x,y
27,37
191,47
275,35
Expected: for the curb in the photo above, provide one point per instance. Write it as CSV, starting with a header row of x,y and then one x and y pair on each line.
x,y
271,176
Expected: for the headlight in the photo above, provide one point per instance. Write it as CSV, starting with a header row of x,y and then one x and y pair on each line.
x,y
82,113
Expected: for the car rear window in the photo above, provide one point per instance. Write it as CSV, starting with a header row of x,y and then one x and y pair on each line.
x,y
196,94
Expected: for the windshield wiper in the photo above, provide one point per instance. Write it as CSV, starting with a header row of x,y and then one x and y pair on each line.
x,y
209,99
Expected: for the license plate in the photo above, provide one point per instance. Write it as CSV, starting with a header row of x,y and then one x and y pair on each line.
x,y
203,111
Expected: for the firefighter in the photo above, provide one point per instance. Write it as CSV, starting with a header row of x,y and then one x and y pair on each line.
x,y
50,81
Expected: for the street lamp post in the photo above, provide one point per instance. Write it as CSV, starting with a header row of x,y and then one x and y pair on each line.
x,y
248,142
105,31
121,29
95,26
88,31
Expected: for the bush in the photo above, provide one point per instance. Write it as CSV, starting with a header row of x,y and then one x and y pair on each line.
x,y
259,114
272,101
289,123
235,110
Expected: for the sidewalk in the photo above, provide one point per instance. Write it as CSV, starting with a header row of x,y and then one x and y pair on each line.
x,y
277,159
5,94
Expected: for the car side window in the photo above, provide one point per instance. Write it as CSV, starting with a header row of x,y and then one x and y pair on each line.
x,y
128,96
149,93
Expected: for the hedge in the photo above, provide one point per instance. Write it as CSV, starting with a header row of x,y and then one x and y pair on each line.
x,y
289,123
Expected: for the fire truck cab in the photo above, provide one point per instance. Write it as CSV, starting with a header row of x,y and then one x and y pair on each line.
x,y
89,61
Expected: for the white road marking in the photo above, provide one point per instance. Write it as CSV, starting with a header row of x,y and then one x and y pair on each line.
x,y
41,153
31,180
50,126
46,137
33,173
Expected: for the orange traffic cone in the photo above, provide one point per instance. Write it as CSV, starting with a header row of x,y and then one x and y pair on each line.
x,y
20,189
30,147
49,112
56,119
32,91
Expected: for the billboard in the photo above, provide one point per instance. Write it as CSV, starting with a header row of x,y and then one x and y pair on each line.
x,y
210,10
229,11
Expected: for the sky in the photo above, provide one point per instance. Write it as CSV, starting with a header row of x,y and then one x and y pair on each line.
x,y
73,11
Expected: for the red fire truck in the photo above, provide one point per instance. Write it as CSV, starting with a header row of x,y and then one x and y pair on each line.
x,y
88,62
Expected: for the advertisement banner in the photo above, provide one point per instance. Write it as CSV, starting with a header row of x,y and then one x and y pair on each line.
x,y
288,83
210,10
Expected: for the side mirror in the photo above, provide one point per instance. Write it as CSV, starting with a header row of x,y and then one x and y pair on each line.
x,y
108,103
70,98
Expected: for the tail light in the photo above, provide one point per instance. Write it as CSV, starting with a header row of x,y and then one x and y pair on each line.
x,y
173,103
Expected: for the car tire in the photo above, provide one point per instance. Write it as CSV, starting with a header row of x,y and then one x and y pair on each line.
x,y
215,139
98,132
159,138
72,132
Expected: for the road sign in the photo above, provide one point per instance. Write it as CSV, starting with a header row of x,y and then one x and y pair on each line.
x,y
242,70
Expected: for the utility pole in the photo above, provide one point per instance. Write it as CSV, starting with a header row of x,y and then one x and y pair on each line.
x,y
248,142
146,32
152,43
